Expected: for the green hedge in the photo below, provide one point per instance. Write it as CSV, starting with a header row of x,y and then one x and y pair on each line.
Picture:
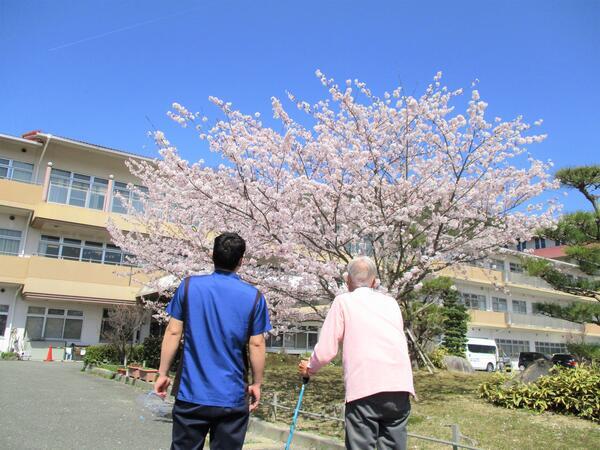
x,y
564,391
151,347
135,354
9,356
101,354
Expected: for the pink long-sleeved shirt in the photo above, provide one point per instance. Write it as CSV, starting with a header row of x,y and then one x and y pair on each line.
x,y
375,353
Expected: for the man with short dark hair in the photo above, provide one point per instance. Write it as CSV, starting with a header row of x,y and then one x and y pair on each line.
x,y
218,315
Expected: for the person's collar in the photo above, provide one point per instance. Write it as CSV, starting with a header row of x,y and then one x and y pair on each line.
x,y
363,289
229,273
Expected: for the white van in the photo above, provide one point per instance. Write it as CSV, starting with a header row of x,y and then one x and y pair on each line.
x,y
482,353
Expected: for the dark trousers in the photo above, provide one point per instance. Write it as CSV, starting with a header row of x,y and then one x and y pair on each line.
x,y
378,422
191,424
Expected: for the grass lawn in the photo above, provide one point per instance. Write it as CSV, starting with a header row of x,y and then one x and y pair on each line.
x,y
444,398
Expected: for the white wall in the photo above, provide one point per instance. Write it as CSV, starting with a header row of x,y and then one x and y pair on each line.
x,y
7,297
92,319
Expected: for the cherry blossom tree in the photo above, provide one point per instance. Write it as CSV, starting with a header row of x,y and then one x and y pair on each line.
x,y
407,180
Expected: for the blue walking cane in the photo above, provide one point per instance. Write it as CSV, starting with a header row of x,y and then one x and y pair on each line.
x,y
296,411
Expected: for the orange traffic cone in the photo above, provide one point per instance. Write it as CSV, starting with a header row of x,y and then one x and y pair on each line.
x,y
49,355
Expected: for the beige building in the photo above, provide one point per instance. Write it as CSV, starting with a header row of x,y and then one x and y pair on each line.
x,y
502,301
59,272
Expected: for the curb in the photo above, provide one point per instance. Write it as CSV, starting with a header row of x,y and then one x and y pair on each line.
x,y
274,431
108,374
302,439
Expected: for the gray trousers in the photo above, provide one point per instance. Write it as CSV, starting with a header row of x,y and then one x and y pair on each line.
x,y
378,422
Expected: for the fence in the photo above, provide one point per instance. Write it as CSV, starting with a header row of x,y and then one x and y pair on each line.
x,y
274,405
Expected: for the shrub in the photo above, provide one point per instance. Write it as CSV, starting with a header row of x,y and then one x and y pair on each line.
x,y
589,353
9,356
101,354
135,354
565,391
437,357
151,353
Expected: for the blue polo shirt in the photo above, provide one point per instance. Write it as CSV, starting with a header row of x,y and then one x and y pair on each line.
x,y
216,321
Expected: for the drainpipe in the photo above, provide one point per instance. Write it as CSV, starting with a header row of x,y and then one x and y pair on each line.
x,y
46,184
26,233
109,192
37,169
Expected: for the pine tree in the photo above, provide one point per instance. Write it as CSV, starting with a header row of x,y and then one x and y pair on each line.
x,y
455,325
580,231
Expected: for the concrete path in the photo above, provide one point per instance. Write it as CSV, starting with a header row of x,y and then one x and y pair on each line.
x,y
55,406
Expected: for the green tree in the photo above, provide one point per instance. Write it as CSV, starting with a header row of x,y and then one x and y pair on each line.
x,y
580,231
434,310
578,312
455,323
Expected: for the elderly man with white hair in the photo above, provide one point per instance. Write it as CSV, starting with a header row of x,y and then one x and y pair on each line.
x,y
377,370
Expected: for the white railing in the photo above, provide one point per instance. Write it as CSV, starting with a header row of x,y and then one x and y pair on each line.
x,y
539,321
67,195
520,278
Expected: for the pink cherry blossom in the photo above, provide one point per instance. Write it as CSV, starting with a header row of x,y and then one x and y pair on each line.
x,y
414,183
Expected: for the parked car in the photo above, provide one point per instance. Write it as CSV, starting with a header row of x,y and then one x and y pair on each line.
x,y
565,360
482,354
527,358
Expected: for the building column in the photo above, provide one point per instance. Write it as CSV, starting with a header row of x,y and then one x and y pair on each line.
x,y
109,193
47,181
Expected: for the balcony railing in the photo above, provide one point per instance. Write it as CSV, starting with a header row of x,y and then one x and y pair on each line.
x,y
539,321
97,260
520,278
74,196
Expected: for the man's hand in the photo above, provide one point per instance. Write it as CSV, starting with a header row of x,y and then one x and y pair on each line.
x,y
254,392
303,368
161,385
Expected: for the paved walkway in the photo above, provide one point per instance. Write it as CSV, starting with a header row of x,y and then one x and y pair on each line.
x,y
55,406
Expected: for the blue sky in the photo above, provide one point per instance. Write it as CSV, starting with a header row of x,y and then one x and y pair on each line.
x,y
95,70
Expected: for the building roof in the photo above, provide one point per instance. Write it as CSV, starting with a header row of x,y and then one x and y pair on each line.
x,y
28,142
38,138
552,252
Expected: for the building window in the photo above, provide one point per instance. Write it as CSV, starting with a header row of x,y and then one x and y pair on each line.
x,y
512,347
519,306
93,252
522,246
305,338
515,267
473,301
499,304
53,323
16,170
78,250
550,348
76,189
539,243
131,199
105,326
10,241
3,318
497,264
